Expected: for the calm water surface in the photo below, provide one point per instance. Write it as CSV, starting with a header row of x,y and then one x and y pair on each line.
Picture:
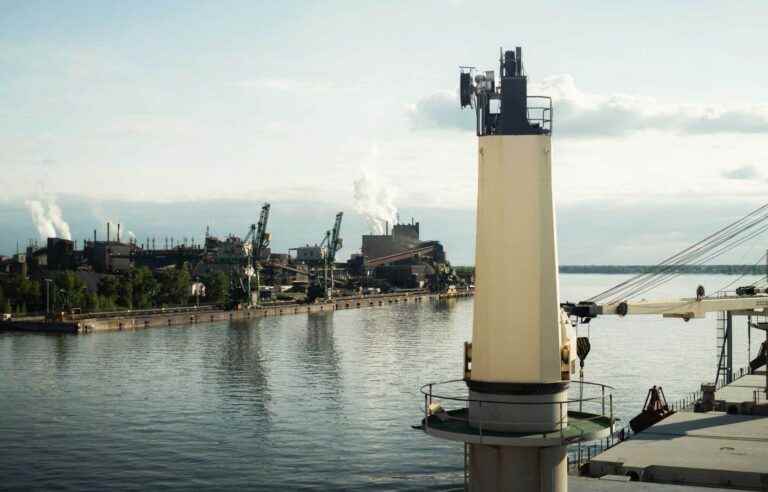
x,y
323,401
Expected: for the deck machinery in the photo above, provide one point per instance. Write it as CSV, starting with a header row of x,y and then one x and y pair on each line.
x,y
515,419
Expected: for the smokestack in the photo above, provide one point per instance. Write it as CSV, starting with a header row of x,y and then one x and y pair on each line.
x,y
107,231
94,235
118,233
386,228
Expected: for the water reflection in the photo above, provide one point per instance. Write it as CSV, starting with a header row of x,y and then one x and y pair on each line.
x,y
321,360
242,371
61,351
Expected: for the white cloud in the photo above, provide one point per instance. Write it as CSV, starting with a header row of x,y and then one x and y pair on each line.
x,y
581,114
745,173
440,110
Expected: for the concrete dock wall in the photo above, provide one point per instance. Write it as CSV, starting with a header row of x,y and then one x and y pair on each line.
x,y
138,322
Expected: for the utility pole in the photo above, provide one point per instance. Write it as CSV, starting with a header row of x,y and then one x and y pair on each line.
x,y
47,297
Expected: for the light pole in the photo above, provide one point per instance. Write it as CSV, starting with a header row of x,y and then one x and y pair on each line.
x,y
47,296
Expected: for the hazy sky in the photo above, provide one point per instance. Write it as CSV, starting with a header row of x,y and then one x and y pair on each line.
x,y
656,103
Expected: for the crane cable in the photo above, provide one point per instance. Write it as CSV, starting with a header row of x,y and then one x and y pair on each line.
x,y
686,256
737,279
705,250
675,274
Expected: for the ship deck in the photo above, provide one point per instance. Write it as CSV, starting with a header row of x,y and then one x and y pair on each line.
x,y
711,449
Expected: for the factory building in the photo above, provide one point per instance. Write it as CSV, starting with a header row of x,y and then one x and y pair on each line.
x,y
60,254
309,254
403,238
109,256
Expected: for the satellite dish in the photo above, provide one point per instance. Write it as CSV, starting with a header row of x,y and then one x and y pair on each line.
x,y
466,89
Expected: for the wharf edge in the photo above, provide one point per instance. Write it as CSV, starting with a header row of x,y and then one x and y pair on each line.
x,y
192,316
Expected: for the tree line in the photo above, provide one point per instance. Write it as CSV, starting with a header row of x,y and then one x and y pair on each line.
x,y
140,288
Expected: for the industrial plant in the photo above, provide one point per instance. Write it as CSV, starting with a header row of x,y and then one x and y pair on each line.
x,y
233,272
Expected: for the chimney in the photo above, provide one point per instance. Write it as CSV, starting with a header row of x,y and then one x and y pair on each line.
x,y
386,228
107,231
94,236
118,233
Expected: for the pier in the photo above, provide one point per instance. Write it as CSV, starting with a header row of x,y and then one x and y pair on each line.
x,y
154,318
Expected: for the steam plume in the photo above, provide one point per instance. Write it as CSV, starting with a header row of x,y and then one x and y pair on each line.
x,y
49,220
374,202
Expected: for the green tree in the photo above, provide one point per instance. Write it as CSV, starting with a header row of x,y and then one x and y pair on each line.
x,y
20,290
125,292
106,303
175,285
108,287
91,301
145,288
217,288
70,290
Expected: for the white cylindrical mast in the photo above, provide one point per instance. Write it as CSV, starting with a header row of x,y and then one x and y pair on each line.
x,y
516,333
518,365
518,351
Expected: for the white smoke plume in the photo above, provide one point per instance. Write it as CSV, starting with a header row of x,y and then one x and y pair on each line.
x,y
374,202
57,218
48,219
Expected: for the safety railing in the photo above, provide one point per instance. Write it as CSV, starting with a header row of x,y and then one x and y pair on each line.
x,y
596,406
540,112
582,453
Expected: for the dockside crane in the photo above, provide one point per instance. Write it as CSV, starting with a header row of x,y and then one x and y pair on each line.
x,y
255,243
330,245
333,243
260,243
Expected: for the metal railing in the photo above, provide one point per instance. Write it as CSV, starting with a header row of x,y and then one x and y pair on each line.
x,y
540,113
601,405
582,453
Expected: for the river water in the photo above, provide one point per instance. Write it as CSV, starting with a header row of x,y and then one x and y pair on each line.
x,y
324,401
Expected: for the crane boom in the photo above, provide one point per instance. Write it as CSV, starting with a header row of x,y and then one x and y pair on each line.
x,y
332,243
686,309
335,241
261,237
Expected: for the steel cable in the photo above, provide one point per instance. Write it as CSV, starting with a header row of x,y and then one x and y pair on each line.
x,y
721,241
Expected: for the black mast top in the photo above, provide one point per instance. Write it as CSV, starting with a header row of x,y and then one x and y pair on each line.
x,y
505,108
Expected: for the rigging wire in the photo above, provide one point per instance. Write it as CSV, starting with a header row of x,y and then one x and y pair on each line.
x,y
679,258
704,260
738,279
713,246
719,252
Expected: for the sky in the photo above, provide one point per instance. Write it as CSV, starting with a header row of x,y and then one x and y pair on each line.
x,y
109,108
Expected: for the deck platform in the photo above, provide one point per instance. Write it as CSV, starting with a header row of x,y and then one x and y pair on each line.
x,y
581,427
711,449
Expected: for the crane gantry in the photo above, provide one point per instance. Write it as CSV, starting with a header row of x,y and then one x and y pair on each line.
x,y
332,243
255,244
